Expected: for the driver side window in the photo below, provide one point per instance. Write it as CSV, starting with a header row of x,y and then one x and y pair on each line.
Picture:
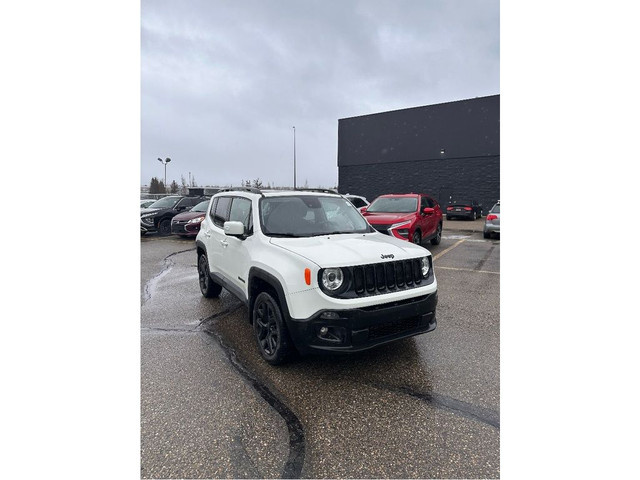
x,y
241,212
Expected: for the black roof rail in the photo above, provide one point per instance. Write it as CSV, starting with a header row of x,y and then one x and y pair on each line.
x,y
242,189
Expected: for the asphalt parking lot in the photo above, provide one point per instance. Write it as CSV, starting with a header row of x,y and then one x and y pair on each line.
x,y
423,407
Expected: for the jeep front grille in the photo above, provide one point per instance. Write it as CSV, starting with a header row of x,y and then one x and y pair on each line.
x,y
386,277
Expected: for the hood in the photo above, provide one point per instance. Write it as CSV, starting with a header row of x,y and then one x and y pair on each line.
x,y
387,218
189,215
351,249
149,210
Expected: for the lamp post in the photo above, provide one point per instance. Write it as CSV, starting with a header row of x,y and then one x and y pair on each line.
x,y
164,162
294,157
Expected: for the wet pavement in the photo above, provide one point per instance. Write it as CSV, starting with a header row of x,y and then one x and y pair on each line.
x,y
424,407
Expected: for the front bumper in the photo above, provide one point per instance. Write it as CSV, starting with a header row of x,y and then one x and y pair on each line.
x,y
145,227
184,228
359,329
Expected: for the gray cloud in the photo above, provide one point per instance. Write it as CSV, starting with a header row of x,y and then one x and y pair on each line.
x,y
223,82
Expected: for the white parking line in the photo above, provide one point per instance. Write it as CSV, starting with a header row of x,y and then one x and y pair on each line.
x,y
450,248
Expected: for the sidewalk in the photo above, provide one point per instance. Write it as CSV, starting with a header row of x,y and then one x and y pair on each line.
x,y
463,225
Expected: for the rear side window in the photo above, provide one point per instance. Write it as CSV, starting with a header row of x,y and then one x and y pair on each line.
x,y
221,213
212,212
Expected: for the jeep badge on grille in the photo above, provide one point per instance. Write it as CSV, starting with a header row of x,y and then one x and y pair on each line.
x,y
383,256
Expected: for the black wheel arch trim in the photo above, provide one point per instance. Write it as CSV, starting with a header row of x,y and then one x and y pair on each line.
x,y
273,282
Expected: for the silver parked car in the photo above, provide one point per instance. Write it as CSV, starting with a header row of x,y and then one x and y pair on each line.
x,y
492,221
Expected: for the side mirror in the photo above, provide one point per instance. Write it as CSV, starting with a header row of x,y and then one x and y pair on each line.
x,y
234,229
428,211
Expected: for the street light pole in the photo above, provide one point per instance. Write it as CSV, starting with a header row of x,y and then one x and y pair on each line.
x,y
294,157
164,162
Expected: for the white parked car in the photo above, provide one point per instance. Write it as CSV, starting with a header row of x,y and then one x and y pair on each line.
x,y
358,201
315,276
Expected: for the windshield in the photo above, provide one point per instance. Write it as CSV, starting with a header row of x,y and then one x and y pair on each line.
x,y
201,207
394,205
166,202
308,216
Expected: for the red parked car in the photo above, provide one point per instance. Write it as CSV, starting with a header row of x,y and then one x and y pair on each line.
x,y
187,224
411,216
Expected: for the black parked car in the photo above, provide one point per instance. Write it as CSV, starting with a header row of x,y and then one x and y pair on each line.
x,y
157,217
469,209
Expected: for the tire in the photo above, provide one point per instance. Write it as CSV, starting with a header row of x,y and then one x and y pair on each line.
x,y
436,240
448,217
164,227
486,234
270,331
417,238
208,287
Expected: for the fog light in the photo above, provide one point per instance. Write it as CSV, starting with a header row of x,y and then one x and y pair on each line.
x,y
329,315
324,330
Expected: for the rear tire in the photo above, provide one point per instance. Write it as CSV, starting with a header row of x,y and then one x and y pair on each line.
x,y
271,333
436,240
208,287
486,234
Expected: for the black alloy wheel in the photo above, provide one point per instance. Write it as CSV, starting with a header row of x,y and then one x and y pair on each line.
x,y
270,331
417,238
436,240
164,228
208,287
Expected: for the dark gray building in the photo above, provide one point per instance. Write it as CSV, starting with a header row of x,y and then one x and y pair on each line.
x,y
448,150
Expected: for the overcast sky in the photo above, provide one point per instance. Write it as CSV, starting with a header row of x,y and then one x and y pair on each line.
x,y
224,82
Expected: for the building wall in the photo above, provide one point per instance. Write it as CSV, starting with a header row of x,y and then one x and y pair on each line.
x,y
467,178
446,150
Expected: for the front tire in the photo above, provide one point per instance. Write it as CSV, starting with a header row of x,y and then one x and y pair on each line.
x,y
417,238
164,227
270,330
208,287
436,240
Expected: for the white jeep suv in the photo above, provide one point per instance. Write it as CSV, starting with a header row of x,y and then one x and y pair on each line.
x,y
314,275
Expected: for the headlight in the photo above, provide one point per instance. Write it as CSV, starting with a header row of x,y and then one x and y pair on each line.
x,y
196,220
425,267
332,279
148,215
400,224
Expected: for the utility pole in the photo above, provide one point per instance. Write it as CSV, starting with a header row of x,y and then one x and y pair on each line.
x,y
294,157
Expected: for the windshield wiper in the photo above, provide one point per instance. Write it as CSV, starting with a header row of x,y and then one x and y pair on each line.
x,y
285,235
336,232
